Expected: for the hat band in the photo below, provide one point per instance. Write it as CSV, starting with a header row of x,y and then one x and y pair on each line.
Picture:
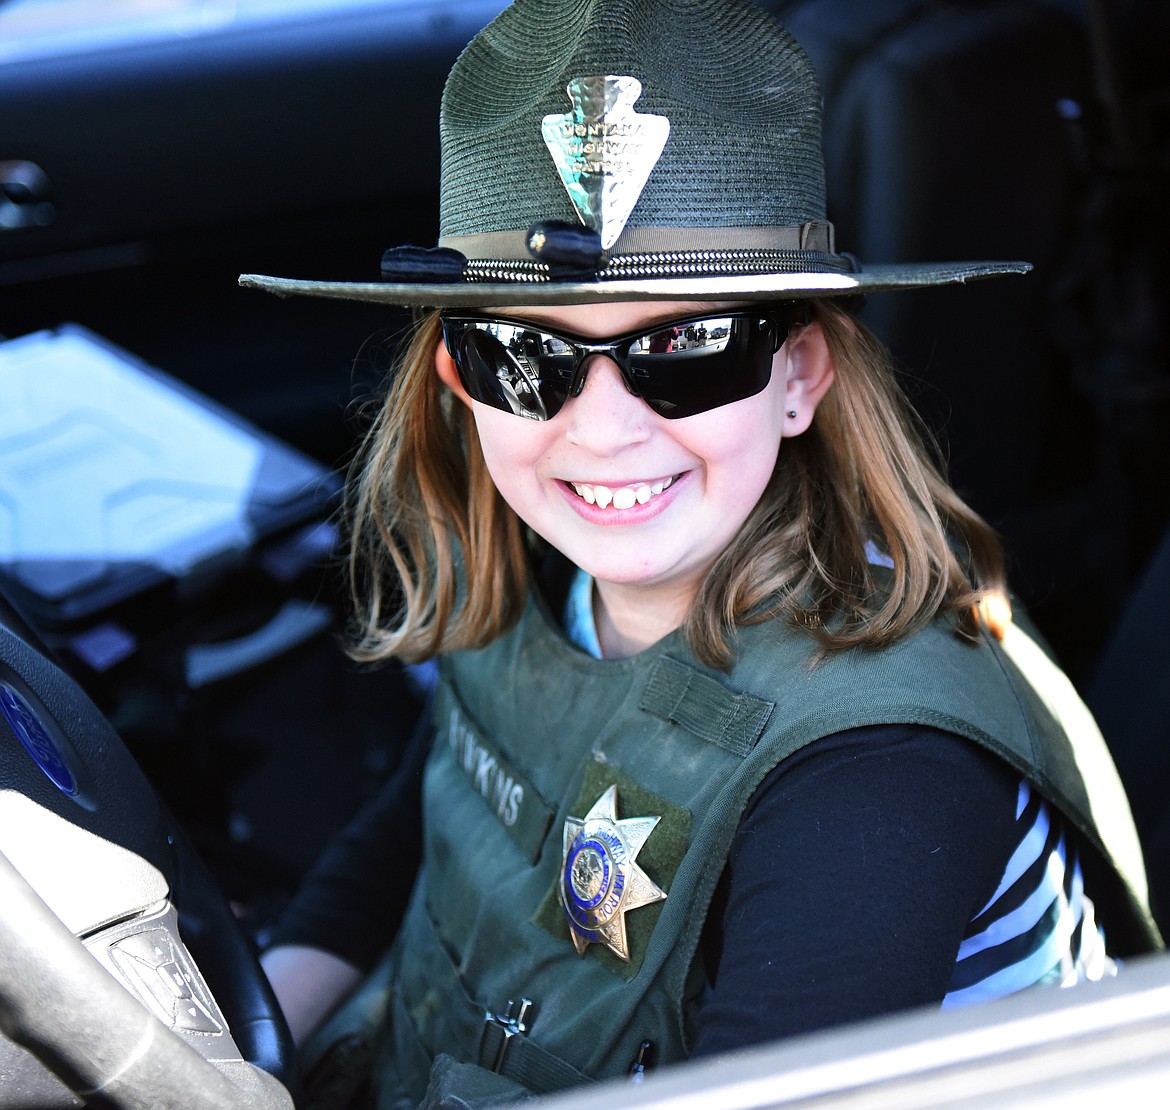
x,y
667,264
662,252
814,236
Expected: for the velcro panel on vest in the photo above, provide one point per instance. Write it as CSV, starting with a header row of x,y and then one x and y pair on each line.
x,y
659,858
705,707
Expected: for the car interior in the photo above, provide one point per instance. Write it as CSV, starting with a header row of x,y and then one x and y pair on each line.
x,y
181,731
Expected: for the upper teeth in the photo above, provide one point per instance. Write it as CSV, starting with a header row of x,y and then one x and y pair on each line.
x,y
624,497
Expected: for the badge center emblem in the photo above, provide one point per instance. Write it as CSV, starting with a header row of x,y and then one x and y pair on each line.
x,y
590,874
600,880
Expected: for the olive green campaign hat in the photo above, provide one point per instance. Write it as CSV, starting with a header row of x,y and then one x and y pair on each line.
x,y
619,150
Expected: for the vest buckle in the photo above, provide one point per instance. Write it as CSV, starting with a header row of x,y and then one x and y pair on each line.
x,y
499,1029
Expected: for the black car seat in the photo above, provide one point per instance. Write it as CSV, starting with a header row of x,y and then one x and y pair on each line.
x,y
965,129
1130,697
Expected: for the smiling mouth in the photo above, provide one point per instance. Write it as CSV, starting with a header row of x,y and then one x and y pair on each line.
x,y
621,497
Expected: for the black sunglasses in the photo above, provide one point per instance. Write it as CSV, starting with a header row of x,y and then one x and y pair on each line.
x,y
679,368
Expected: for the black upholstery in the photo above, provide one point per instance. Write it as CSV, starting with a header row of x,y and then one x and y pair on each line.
x,y
1130,697
952,132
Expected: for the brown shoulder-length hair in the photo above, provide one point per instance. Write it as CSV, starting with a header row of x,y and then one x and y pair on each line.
x,y
438,562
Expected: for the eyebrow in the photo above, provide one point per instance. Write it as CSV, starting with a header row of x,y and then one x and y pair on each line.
x,y
698,310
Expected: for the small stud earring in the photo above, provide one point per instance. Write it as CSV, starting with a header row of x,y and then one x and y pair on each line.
x,y
792,414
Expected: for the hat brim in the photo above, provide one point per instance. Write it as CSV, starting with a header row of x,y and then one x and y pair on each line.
x,y
747,287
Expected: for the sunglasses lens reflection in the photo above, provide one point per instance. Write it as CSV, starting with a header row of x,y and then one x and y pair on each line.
x,y
680,369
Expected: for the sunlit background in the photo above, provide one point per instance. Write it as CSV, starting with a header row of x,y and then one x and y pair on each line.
x,y
29,28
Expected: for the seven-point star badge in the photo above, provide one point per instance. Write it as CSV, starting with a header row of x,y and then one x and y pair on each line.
x,y
600,882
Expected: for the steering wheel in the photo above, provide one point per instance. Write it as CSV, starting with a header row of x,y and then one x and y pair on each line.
x,y
124,977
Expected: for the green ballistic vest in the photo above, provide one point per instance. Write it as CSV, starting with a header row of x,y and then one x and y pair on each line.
x,y
530,732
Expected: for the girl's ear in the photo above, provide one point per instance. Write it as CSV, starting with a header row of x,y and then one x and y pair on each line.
x,y
809,373
448,375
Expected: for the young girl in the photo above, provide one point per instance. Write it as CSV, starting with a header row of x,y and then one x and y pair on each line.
x,y
733,736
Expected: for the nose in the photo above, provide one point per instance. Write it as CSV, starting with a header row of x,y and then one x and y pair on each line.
x,y
605,416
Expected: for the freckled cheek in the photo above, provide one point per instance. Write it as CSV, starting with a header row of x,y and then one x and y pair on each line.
x,y
502,437
743,485
743,457
515,454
